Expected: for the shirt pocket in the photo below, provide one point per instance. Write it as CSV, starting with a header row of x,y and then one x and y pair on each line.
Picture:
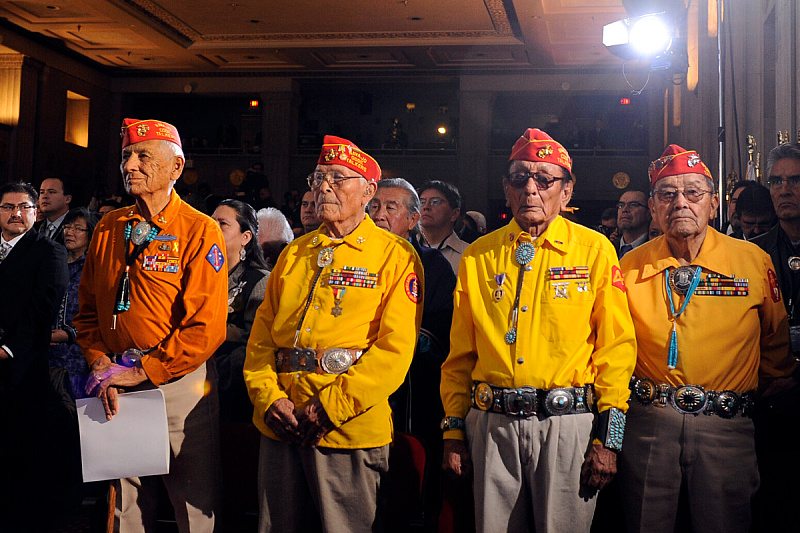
x,y
566,307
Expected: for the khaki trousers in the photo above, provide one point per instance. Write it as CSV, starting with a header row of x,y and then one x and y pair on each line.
x,y
194,472
305,490
527,472
712,458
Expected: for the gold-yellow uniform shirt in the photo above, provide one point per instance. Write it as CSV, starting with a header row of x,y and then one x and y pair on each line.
x,y
384,321
586,337
179,298
724,342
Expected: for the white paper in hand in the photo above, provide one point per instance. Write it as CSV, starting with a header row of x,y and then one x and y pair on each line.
x,y
134,443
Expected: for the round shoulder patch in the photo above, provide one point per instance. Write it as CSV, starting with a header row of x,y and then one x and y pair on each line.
x,y
412,287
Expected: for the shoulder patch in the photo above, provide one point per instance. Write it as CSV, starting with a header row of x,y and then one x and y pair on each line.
x,y
616,279
774,289
215,257
412,287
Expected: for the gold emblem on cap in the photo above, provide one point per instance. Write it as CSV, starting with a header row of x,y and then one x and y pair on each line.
x,y
330,154
544,151
141,129
343,156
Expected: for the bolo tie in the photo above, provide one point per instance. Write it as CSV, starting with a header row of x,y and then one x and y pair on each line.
x,y
680,282
524,255
140,235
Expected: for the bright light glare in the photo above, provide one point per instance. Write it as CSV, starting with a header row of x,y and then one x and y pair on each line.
x,y
615,33
442,130
650,36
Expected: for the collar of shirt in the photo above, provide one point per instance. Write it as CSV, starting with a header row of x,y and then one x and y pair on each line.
x,y
357,238
162,219
12,242
554,237
638,241
659,256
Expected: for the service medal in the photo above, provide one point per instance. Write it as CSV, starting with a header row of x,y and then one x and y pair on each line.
x,y
680,279
338,294
140,232
794,263
325,257
499,292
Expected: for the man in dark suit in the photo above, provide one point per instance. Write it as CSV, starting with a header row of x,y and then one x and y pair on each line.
x,y
55,197
33,279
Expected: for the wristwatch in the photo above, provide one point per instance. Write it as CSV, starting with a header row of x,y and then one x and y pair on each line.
x,y
452,422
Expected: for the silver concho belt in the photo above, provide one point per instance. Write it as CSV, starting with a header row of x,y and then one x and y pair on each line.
x,y
692,399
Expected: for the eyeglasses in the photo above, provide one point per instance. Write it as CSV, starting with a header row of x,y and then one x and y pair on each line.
x,y
668,195
543,181
630,205
334,178
11,208
778,181
70,227
431,202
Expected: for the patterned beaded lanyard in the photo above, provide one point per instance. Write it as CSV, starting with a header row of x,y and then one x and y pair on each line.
x,y
680,288
524,255
140,235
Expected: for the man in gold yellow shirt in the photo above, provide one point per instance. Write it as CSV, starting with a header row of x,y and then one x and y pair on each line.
x,y
541,341
333,339
711,330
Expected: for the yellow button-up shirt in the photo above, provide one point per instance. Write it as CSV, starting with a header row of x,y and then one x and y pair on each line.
x,y
571,330
724,342
383,321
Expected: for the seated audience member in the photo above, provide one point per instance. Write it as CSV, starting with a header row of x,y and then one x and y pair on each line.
x,y
106,206
274,233
633,220
755,211
247,280
308,213
67,364
441,208
608,225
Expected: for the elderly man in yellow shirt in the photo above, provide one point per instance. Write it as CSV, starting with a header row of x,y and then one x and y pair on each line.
x,y
541,341
333,339
710,329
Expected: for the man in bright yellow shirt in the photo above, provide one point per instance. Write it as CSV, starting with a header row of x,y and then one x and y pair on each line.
x,y
333,339
710,329
541,340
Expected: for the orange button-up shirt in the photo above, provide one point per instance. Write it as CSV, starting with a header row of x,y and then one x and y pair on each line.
x,y
573,329
725,342
178,291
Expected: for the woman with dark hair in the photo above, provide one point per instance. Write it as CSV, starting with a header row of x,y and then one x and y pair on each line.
x,y
65,355
247,280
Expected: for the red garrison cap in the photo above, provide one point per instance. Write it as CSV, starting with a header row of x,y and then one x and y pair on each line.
x,y
135,131
676,160
338,151
536,145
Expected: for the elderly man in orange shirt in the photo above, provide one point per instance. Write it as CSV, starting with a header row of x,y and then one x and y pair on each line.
x,y
153,306
711,330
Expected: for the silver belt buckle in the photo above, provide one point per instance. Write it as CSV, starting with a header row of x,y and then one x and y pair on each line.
x,y
689,399
336,361
521,401
558,402
726,404
302,359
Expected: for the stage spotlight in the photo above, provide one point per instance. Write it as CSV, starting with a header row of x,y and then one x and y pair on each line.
x,y
643,37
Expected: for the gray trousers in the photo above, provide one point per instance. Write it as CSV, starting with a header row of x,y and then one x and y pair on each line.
x,y
194,471
319,489
527,472
712,457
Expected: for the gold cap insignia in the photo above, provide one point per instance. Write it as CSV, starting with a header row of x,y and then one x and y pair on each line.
x,y
544,151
